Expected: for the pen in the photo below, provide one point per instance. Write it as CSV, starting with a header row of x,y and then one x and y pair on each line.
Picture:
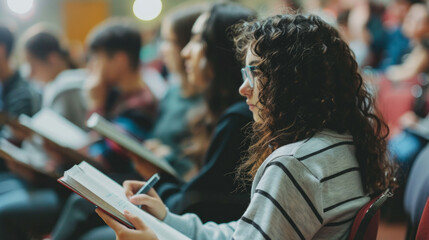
x,y
149,184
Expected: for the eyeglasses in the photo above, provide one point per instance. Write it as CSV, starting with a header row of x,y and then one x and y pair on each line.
x,y
248,75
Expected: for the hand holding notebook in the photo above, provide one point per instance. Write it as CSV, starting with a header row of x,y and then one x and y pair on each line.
x,y
141,231
109,196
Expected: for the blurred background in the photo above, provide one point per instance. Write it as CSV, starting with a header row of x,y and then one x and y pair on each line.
x,y
390,40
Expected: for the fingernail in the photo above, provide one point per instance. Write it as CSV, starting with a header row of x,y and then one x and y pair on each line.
x,y
126,212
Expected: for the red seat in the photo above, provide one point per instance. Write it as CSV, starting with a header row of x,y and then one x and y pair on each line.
x,y
395,99
365,225
423,229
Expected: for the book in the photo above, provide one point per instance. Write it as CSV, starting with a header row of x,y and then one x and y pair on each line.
x,y
130,143
64,136
6,119
96,187
10,152
56,128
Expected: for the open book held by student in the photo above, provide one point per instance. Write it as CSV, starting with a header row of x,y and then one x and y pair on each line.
x,y
10,152
6,119
62,135
108,195
128,142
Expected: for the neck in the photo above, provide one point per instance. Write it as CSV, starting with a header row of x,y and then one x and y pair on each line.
x,y
130,82
5,71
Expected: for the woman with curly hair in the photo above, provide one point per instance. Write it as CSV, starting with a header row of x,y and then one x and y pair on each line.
x,y
319,151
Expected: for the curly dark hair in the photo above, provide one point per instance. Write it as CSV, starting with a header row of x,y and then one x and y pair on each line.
x,y
311,82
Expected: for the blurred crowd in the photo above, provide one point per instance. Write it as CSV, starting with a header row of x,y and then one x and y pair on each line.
x,y
176,89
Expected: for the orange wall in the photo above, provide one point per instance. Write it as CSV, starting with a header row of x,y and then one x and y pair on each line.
x,y
81,16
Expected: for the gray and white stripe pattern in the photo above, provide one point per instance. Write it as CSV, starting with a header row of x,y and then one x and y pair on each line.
x,y
307,190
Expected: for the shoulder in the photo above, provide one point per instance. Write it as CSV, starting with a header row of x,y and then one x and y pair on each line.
x,y
16,81
324,151
18,88
235,117
237,109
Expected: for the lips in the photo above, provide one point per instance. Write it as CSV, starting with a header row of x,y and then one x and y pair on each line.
x,y
188,67
251,106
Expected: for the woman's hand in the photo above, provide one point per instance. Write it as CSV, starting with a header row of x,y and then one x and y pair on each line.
x,y
142,232
95,88
150,202
157,147
409,120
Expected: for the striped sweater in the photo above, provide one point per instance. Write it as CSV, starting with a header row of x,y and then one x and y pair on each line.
x,y
306,190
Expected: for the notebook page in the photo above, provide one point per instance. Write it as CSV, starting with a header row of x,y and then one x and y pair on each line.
x,y
58,129
110,131
102,179
77,179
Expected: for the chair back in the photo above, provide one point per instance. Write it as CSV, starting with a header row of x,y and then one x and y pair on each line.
x,y
423,229
365,225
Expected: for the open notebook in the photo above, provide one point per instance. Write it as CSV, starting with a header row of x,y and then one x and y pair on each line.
x,y
110,131
108,195
62,134
56,128
35,162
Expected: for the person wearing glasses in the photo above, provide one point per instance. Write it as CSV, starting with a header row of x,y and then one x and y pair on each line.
x,y
318,150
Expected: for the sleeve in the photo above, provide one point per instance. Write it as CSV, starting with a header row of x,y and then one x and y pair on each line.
x,y
191,226
286,203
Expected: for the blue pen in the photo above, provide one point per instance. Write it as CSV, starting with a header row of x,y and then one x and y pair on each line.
x,y
149,184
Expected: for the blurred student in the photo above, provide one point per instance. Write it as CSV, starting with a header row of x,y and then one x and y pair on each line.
x,y
60,85
115,89
309,107
16,96
52,67
415,28
397,43
39,203
172,124
61,89
405,145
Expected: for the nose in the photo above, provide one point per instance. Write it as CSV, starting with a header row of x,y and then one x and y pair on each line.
x,y
185,52
245,90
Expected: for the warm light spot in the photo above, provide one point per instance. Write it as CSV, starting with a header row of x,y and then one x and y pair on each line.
x,y
20,6
147,9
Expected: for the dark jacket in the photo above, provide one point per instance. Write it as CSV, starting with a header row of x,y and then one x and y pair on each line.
x,y
18,97
213,193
